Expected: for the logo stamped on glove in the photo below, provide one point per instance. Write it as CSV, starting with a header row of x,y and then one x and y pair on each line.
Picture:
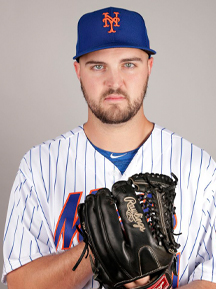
x,y
162,283
132,214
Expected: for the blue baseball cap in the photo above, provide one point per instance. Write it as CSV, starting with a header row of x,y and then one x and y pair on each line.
x,y
110,28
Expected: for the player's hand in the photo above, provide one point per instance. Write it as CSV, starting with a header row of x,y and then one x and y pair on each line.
x,y
137,283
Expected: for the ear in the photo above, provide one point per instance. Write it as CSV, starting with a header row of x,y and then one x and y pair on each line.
x,y
77,69
150,64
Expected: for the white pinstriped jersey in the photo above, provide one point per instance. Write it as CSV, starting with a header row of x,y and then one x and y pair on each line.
x,y
54,177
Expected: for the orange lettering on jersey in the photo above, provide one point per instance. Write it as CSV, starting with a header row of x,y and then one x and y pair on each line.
x,y
94,191
67,222
175,279
174,221
66,227
111,21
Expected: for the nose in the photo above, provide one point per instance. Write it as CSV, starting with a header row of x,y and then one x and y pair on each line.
x,y
113,78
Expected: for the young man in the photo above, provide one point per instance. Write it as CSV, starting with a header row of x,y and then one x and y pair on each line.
x,y
41,243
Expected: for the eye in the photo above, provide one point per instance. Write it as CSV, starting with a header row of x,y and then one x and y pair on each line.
x,y
129,65
98,67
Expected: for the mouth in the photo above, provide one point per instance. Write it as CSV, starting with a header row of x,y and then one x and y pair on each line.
x,y
114,97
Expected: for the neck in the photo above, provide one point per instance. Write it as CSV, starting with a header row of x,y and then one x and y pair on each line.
x,y
119,137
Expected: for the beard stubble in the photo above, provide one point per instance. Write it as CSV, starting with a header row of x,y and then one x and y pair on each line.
x,y
115,114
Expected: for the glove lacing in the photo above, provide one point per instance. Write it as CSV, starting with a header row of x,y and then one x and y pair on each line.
x,y
85,250
157,202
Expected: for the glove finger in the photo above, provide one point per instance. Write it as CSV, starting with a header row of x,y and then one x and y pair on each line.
x,y
140,241
111,226
104,229
131,212
137,230
90,222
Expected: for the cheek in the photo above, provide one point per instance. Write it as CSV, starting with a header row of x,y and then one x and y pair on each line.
x,y
86,81
93,86
135,83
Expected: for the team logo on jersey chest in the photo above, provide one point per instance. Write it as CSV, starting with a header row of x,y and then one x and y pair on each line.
x,y
67,222
66,227
111,21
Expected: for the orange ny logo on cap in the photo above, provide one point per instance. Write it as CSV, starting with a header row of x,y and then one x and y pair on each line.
x,y
108,21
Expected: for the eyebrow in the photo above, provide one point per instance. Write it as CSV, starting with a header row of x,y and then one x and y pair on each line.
x,y
95,62
132,59
138,59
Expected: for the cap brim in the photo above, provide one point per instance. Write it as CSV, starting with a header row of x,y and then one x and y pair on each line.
x,y
147,50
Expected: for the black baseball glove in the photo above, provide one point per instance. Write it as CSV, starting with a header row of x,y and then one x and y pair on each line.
x,y
130,231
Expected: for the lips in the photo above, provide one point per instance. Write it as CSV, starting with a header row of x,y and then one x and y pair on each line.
x,y
114,97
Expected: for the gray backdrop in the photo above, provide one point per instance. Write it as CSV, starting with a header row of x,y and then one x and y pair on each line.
x,y
41,97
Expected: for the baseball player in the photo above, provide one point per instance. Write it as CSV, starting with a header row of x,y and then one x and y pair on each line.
x,y
113,62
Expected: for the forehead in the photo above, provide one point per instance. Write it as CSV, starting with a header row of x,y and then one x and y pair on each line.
x,y
114,54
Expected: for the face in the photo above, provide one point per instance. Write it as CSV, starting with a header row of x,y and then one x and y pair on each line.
x,y
114,82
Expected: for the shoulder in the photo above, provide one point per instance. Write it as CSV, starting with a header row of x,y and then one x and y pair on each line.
x,y
54,147
70,135
184,151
